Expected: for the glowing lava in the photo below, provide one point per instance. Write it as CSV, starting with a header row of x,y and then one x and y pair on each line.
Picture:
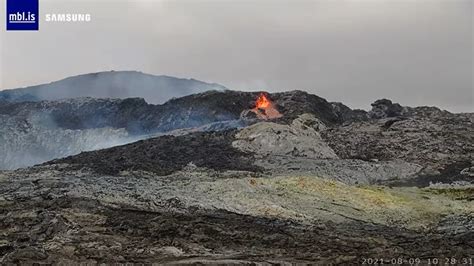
x,y
262,101
264,108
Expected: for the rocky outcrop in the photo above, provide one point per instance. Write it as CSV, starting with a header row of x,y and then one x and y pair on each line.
x,y
347,115
299,139
294,103
436,141
385,108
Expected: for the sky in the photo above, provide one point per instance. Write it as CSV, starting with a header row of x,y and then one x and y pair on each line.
x,y
415,52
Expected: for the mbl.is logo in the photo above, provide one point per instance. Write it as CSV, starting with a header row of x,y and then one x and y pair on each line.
x,y
22,15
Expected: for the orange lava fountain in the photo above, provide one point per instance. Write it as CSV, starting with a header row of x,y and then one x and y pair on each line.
x,y
264,108
262,101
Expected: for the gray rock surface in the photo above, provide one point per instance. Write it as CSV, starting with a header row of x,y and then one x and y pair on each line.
x,y
54,215
299,139
441,142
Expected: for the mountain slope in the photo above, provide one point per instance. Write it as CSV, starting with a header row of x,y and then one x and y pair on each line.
x,y
53,129
113,84
387,132
194,110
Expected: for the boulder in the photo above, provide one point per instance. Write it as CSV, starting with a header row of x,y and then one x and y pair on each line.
x,y
299,139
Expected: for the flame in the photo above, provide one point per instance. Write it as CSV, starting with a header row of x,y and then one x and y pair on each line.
x,y
262,101
264,108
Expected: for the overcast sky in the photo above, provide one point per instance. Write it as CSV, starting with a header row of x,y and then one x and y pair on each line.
x,y
416,52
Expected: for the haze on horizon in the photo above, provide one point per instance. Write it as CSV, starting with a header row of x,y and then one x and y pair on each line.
x,y
415,52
